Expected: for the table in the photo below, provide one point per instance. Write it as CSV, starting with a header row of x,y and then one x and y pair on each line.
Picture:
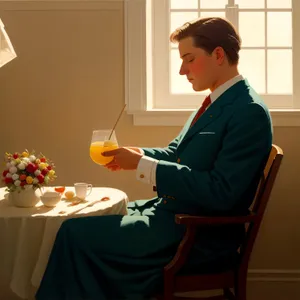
x,y
27,234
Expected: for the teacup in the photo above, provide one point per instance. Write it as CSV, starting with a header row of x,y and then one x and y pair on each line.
x,y
82,190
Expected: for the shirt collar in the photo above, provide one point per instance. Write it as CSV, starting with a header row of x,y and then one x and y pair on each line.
x,y
224,87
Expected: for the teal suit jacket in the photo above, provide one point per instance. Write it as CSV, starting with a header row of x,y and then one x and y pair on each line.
x,y
213,167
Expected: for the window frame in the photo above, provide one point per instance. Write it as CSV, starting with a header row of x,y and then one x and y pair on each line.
x,y
140,77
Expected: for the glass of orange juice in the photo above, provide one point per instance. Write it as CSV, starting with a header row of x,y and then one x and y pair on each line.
x,y
100,143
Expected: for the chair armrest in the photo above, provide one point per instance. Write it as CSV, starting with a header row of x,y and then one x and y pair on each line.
x,y
187,242
198,220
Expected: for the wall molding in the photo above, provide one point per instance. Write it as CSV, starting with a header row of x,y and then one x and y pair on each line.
x,y
176,117
274,275
42,5
56,1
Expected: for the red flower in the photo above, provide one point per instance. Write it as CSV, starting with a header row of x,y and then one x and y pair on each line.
x,y
31,168
45,171
4,173
43,159
49,168
40,178
16,155
8,180
22,177
22,183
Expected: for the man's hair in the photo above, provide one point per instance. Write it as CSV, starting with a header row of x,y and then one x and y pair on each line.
x,y
209,33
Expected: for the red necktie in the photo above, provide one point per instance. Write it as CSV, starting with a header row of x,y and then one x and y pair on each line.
x,y
201,110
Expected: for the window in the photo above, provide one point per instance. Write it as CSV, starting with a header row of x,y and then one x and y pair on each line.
x,y
266,57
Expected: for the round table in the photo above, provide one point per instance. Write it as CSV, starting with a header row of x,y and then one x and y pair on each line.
x,y
27,234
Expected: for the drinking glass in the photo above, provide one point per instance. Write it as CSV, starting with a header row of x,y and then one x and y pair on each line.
x,y
100,142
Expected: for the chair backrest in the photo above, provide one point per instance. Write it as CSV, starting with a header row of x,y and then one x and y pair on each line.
x,y
262,196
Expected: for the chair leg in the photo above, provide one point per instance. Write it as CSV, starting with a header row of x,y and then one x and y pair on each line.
x,y
228,294
168,287
168,294
240,289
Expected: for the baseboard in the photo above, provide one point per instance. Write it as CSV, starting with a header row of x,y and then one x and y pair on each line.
x,y
264,284
271,275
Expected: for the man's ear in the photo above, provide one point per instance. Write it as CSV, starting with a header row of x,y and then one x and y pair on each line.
x,y
219,55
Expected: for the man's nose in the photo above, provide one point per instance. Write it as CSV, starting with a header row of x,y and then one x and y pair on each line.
x,y
183,70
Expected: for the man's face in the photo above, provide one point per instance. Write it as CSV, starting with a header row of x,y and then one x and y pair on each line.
x,y
197,65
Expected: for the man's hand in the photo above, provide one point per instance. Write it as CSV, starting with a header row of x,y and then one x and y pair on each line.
x,y
125,158
136,149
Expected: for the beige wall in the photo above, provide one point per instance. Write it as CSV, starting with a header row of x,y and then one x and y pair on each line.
x,y
68,79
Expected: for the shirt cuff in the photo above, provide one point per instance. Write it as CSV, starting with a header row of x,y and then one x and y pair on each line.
x,y
142,151
146,170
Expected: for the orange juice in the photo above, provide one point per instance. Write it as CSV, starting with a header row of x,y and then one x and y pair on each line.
x,y
97,148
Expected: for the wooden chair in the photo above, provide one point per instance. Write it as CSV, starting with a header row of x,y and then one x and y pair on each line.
x,y
232,279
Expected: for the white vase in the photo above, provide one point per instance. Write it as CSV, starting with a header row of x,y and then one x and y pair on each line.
x,y
24,198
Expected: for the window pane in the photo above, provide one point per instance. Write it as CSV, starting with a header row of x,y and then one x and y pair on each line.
x,y
212,3
186,4
250,38
280,77
179,83
279,29
252,66
251,3
212,14
279,3
179,18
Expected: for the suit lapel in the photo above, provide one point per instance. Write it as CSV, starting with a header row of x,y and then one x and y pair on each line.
x,y
213,112
206,118
187,126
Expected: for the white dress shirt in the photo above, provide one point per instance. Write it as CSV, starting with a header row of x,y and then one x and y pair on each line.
x,y
146,169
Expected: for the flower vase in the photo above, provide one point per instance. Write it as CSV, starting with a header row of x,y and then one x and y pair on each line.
x,y
24,198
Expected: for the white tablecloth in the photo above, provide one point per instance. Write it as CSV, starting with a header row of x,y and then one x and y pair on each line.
x,y
27,234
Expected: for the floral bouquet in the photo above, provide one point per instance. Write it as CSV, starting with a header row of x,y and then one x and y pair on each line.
x,y
26,169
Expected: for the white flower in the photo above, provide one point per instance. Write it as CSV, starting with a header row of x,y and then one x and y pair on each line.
x,y
17,183
15,176
8,175
32,158
12,163
8,165
26,160
21,166
35,181
37,172
13,169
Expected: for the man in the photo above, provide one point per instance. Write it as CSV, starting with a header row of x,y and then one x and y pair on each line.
x,y
211,168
